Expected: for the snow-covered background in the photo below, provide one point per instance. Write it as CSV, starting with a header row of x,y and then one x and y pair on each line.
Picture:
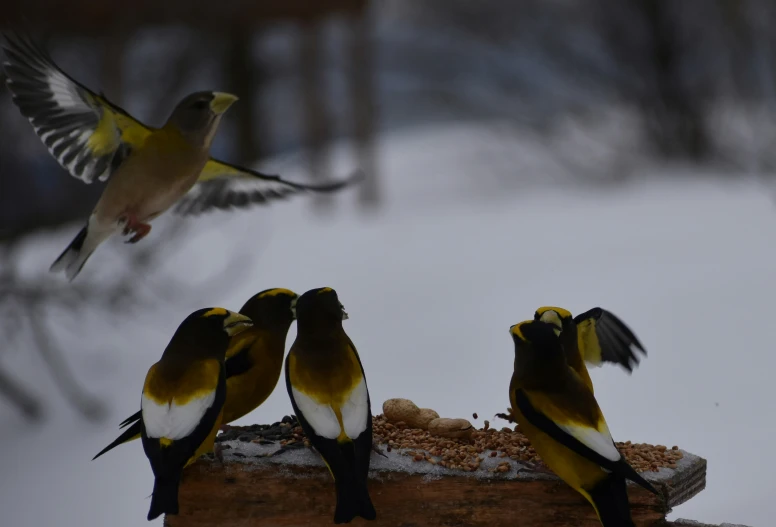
x,y
432,281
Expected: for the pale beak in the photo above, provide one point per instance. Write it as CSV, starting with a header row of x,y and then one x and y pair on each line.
x,y
221,102
236,323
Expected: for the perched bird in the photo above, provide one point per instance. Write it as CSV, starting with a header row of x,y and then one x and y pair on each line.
x,y
328,391
595,336
560,416
254,359
148,169
183,400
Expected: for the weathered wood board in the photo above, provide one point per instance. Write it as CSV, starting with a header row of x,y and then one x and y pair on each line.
x,y
295,489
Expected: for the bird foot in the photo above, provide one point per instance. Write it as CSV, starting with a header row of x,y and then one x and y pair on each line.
x,y
509,416
376,449
132,225
286,448
218,451
531,466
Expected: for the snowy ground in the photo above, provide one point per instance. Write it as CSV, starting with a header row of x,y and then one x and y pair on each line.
x,y
432,283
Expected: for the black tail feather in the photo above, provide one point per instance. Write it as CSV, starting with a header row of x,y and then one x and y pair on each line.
x,y
71,260
353,500
610,497
164,500
134,418
128,435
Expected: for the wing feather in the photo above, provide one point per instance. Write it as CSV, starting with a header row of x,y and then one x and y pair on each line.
x,y
603,337
87,134
224,186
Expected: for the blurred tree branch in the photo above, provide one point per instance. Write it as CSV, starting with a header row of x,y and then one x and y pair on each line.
x,y
35,299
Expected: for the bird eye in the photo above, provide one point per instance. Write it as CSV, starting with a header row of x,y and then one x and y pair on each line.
x,y
201,104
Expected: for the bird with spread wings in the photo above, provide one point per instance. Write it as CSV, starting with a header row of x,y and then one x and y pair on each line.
x,y
148,170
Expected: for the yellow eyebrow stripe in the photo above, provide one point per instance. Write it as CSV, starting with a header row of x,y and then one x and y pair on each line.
x,y
517,331
276,292
216,311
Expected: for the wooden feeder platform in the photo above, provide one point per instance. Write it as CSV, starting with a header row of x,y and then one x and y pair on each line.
x,y
254,488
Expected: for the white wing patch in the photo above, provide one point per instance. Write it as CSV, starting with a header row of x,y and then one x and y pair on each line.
x,y
320,416
64,114
171,420
355,413
598,440
64,93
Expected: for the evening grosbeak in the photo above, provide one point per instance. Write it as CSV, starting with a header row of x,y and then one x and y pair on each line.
x,y
254,360
327,387
183,400
558,413
148,170
594,337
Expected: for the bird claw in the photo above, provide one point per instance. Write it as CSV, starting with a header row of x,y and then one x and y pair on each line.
x,y
131,225
530,466
377,450
509,416
286,448
218,451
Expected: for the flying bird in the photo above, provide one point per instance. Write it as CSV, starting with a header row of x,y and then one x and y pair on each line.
x,y
148,170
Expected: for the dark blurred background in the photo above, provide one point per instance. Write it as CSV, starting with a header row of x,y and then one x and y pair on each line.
x,y
603,85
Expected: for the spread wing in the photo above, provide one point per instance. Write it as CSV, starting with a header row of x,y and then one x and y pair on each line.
x,y
87,134
223,186
605,338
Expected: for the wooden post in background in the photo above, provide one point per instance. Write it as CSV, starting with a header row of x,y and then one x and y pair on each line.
x,y
361,81
244,77
313,101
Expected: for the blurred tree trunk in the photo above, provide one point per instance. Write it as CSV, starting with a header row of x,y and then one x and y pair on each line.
x,y
316,129
245,77
675,119
361,81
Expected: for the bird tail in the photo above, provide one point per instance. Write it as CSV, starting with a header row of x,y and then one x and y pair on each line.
x,y
164,500
130,434
610,499
353,500
72,259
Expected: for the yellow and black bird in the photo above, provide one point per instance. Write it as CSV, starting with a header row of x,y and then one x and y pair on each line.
x,y
558,413
254,359
148,169
595,336
183,400
327,387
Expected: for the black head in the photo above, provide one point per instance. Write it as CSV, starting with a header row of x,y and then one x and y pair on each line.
x,y
197,115
271,308
536,338
320,307
206,332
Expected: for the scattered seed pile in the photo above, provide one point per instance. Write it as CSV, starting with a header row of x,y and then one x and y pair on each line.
x,y
458,454
467,455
